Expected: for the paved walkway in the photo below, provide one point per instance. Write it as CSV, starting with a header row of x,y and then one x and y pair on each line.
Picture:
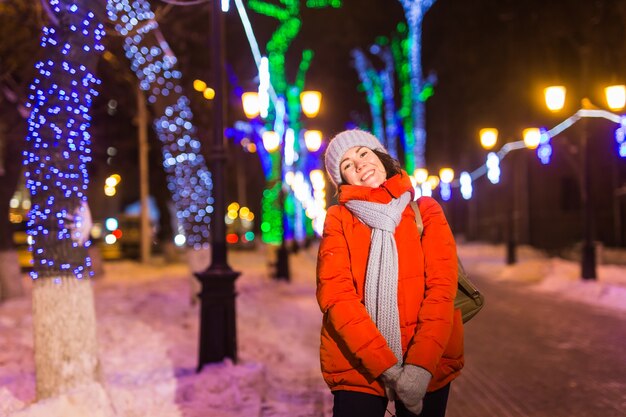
x,y
531,355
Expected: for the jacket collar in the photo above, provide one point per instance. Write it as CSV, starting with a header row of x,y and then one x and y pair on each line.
x,y
394,187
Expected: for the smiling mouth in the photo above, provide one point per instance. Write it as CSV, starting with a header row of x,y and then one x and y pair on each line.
x,y
367,176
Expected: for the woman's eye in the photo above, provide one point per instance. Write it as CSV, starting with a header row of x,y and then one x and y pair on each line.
x,y
346,166
363,154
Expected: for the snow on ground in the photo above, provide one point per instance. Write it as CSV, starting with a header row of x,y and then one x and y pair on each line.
x,y
148,337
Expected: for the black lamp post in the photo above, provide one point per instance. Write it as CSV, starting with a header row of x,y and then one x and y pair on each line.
x,y
588,261
218,336
283,272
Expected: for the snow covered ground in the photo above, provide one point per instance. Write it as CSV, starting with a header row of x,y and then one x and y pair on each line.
x,y
148,338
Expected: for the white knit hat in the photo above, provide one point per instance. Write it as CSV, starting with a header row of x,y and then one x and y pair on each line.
x,y
341,143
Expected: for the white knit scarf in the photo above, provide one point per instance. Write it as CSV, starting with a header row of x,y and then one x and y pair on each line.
x,y
381,278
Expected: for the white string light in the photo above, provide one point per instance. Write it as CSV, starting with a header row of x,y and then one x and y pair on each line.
x,y
188,178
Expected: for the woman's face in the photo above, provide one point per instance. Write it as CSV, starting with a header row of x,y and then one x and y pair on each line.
x,y
361,166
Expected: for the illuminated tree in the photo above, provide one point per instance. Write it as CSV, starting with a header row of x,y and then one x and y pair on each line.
x,y
371,85
154,63
386,76
414,11
56,157
290,22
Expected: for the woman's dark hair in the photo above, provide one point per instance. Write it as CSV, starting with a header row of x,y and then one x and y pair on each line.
x,y
392,165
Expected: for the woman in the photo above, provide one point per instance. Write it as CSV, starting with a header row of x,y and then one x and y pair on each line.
x,y
389,330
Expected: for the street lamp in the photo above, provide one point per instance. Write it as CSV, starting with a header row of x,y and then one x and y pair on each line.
x,y
218,336
311,102
555,100
488,139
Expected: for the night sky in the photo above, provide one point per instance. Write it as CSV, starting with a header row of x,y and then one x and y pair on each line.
x,y
491,59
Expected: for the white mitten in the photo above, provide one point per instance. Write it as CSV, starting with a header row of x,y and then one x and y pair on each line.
x,y
411,387
390,381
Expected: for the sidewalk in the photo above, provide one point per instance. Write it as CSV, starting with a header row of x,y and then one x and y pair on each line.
x,y
148,336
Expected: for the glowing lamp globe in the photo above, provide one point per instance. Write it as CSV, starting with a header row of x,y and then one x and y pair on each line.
x,y
421,175
311,102
209,93
271,141
555,97
432,181
251,104
615,96
446,175
317,179
532,137
488,137
199,85
313,140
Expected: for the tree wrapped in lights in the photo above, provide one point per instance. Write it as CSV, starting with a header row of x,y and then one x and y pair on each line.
x,y
56,157
414,11
379,87
154,63
386,76
370,81
290,22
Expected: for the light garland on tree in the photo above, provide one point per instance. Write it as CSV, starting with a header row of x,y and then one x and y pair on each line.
x,y
372,88
59,142
273,226
188,177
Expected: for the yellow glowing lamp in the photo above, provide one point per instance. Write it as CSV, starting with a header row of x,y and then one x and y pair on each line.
x,y
271,140
209,93
234,206
532,137
199,85
317,179
615,96
488,137
251,104
446,175
311,102
421,175
109,191
433,181
555,97
313,140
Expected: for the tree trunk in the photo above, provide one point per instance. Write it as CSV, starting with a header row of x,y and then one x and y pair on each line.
x,y
56,157
64,324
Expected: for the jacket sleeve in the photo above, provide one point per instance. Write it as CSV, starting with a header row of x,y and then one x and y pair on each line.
x,y
436,314
342,306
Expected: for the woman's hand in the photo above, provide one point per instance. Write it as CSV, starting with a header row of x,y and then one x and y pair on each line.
x,y
411,387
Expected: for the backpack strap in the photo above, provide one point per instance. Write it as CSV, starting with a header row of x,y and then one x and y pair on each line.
x,y
418,217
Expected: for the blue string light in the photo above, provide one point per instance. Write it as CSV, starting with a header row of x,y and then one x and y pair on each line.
x,y
544,150
188,178
58,141
620,135
445,190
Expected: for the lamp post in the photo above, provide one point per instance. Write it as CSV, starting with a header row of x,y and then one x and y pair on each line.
x,y
310,102
488,139
218,337
555,100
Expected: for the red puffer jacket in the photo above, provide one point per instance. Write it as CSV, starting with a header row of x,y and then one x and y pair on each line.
x,y
353,352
